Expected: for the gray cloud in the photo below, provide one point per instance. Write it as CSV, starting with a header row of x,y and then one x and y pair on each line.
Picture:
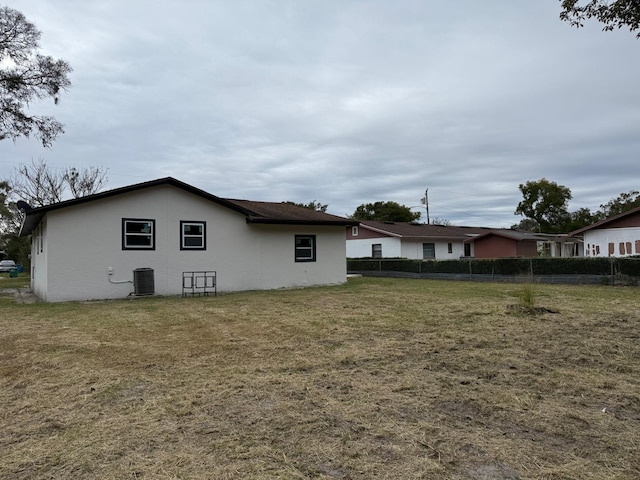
x,y
345,102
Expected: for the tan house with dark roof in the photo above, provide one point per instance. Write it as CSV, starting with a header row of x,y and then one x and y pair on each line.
x,y
108,244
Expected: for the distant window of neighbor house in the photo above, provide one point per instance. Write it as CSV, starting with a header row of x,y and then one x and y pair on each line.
x,y
354,231
467,249
138,234
305,250
193,235
428,250
376,250
449,247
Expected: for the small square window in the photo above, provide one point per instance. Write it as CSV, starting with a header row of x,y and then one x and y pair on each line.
x,y
138,234
354,231
193,235
305,249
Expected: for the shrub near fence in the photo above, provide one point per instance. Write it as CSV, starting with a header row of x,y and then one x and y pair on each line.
x,y
600,269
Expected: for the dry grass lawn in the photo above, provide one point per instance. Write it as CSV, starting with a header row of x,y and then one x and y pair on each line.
x,y
375,379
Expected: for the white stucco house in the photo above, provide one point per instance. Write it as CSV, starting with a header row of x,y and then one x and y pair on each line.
x,y
92,247
617,236
378,239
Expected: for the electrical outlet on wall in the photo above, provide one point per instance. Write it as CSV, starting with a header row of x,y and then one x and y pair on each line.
x,y
109,270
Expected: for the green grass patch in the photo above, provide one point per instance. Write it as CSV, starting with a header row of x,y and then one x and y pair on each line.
x,y
377,378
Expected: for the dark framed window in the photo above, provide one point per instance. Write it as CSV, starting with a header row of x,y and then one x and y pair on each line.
x,y
467,249
305,250
428,250
376,250
193,235
138,234
449,247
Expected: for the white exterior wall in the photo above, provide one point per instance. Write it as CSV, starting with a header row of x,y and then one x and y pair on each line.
x,y
596,241
393,247
362,248
85,240
278,267
413,250
39,249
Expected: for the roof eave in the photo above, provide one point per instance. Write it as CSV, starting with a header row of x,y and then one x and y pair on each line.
x,y
278,221
30,222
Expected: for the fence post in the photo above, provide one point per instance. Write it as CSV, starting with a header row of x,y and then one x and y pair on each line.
x,y
613,279
531,269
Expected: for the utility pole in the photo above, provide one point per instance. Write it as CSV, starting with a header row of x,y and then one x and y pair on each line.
x,y
425,201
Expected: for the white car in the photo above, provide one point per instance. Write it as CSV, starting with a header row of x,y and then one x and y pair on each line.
x,y
7,265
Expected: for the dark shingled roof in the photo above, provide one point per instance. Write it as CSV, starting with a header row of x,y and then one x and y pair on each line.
x,y
272,212
255,212
422,230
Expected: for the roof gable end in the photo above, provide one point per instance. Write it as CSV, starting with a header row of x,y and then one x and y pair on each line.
x,y
609,222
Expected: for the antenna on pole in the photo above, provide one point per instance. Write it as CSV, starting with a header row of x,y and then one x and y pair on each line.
x,y
425,202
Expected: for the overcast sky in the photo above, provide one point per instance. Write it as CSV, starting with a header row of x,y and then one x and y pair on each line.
x,y
344,101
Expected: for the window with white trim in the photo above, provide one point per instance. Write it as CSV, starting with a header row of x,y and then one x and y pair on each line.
x,y
428,250
193,235
354,231
138,234
305,248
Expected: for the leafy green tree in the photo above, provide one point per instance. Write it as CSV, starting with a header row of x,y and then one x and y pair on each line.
x,y
620,204
25,76
13,247
312,205
526,224
385,212
545,203
578,219
613,14
8,223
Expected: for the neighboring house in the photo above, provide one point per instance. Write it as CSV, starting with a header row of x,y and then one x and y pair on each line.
x,y
91,247
505,243
617,236
437,242
560,245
